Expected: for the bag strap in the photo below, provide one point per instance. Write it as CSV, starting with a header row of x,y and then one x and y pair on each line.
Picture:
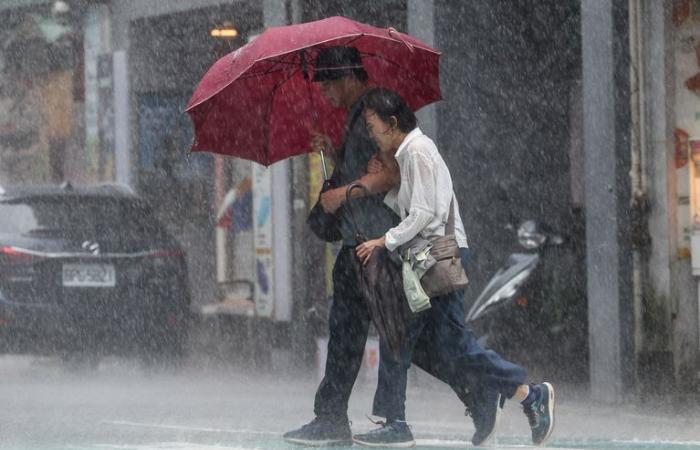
x,y
348,201
450,228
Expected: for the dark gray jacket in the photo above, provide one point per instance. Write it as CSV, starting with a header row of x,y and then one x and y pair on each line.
x,y
373,217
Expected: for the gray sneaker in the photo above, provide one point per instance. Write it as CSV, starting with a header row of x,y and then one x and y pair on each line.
x,y
392,434
321,432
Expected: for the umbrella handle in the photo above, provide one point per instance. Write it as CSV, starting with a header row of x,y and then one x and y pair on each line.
x,y
348,202
304,66
323,164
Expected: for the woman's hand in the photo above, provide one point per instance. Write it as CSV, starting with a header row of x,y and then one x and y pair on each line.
x,y
364,250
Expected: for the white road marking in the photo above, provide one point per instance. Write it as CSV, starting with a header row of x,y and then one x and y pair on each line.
x,y
661,442
170,446
187,428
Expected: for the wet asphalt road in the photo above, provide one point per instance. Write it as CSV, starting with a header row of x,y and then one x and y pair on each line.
x,y
124,405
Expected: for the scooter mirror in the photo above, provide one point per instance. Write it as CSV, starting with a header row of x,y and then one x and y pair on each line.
x,y
529,235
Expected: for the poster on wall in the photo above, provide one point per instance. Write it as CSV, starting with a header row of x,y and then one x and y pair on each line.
x,y
171,179
262,241
165,134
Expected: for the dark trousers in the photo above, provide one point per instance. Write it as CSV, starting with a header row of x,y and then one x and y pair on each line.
x,y
348,323
441,343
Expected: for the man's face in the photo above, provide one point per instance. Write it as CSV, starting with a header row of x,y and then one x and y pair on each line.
x,y
334,91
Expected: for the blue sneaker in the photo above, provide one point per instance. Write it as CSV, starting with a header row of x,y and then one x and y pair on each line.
x,y
540,413
321,432
485,408
392,434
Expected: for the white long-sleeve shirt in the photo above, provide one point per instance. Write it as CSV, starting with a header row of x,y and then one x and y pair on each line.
x,y
423,198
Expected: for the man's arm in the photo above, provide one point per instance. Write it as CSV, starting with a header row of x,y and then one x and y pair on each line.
x,y
375,182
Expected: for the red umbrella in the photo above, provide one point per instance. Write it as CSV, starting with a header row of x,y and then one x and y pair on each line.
x,y
259,102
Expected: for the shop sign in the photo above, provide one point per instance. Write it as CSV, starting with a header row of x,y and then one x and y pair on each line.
x,y
262,241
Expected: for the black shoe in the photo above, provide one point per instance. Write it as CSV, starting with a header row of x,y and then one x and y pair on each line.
x,y
321,432
391,434
485,409
540,413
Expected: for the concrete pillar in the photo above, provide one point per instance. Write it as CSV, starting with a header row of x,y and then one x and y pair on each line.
x,y
98,92
658,84
421,25
606,124
122,96
275,14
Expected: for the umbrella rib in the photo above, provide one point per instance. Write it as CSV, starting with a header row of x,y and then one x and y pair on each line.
x,y
281,61
267,72
269,114
291,65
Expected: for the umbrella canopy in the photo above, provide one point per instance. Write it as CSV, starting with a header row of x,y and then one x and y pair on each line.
x,y
259,102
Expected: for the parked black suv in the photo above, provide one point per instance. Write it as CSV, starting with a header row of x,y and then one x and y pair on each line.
x,y
89,270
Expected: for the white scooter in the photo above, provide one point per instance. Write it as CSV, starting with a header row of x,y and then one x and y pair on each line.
x,y
507,282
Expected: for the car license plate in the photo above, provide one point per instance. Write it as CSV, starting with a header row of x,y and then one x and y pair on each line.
x,y
89,275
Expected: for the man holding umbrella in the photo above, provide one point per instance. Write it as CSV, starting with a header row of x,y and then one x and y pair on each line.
x,y
344,82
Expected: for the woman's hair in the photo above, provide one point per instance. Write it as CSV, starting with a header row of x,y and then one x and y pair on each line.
x,y
386,103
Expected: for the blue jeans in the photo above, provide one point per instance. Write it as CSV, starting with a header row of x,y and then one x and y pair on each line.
x,y
440,342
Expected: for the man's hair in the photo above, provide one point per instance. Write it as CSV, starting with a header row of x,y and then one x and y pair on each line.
x,y
333,63
386,103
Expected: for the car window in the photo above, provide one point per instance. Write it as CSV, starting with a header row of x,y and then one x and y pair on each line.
x,y
100,216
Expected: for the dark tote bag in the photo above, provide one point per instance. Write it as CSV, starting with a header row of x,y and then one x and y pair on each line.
x,y
324,225
327,225
380,282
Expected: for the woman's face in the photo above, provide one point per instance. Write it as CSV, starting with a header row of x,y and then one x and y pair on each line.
x,y
379,131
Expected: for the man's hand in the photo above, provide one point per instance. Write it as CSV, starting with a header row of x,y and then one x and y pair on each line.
x,y
321,142
332,199
382,176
